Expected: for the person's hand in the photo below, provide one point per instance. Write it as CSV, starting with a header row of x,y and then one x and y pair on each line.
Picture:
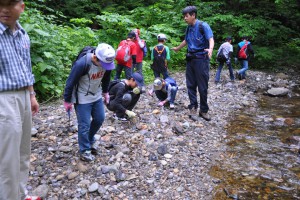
x,y
136,90
130,114
162,103
68,106
34,105
106,97
209,52
150,92
175,49
235,60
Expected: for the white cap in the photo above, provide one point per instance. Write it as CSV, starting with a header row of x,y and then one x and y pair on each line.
x,y
161,36
157,84
106,55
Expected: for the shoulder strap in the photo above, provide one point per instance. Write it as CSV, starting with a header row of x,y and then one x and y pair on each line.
x,y
159,51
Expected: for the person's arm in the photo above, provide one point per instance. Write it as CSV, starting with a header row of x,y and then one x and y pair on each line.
x,y
105,81
79,68
33,101
211,46
182,44
168,57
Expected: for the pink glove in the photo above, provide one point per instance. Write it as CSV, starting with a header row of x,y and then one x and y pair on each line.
x,y
106,98
161,103
150,92
68,106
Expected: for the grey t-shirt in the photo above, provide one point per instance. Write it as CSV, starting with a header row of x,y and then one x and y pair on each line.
x,y
227,47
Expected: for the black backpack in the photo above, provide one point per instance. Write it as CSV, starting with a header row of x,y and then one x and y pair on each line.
x,y
221,57
83,52
159,59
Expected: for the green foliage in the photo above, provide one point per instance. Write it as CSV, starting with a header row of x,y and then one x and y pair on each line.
x,y
59,29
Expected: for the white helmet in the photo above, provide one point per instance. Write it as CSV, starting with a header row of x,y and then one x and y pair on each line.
x,y
161,36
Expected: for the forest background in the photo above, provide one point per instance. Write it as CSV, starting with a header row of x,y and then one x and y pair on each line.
x,y
59,29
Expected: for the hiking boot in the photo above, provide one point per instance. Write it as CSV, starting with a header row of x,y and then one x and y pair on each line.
x,y
172,106
87,156
204,116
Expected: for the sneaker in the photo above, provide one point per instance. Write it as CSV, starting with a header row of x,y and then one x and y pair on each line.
x,y
87,156
32,198
204,116
120,118
237,75
172,106
94,150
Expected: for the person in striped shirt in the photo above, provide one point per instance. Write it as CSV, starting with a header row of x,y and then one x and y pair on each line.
x,y
17,102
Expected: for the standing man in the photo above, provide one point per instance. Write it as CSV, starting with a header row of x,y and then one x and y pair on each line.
x,y
17,102
226,50
200,42
243,52
87,83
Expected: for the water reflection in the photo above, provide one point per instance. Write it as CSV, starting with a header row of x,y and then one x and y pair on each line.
x,y
262,159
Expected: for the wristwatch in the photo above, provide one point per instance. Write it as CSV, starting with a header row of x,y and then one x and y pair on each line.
x,y
32,93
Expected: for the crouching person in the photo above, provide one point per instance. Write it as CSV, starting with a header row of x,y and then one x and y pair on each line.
x,y
165,90
124,95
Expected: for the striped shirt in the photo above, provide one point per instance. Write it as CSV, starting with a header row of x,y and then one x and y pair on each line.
x,y
15,62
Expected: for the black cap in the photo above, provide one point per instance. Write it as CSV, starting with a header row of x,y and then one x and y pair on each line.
x,y
131,35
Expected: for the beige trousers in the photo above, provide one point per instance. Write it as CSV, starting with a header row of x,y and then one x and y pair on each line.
x,y
15,135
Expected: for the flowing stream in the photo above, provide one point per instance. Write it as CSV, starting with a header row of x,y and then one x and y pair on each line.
x,y
262,155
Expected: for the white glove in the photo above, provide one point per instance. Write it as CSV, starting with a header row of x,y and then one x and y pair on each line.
x,y
136,90
130,113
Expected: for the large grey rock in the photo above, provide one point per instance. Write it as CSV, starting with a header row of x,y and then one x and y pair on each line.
x,y
276,92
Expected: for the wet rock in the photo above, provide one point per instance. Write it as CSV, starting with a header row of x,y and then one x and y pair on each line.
x,y
277,92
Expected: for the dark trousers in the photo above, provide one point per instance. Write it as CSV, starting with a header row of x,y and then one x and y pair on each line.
x,y
161,95
127,105
197,76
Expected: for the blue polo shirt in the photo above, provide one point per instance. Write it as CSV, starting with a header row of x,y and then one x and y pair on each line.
x,y
195,40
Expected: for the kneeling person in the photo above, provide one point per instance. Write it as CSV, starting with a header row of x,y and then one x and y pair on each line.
x,y
124,95
165,90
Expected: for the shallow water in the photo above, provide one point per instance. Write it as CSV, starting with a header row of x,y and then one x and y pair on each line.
x,y
262,156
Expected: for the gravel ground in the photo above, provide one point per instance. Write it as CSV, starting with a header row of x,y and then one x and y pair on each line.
x,y
162,154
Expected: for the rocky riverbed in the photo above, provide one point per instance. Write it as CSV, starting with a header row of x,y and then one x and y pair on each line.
x,y
162,154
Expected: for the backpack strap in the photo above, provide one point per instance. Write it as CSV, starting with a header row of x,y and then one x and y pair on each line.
x,y
161,51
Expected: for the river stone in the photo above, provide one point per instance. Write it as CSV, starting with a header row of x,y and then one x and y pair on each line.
x,y
41,191
93,187
277,92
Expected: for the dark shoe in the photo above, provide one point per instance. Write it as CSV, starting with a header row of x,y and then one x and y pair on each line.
x,y
193,114
204,116
87,156
94,150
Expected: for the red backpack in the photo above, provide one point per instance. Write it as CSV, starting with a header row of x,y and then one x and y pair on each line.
x,y
242,52
123,52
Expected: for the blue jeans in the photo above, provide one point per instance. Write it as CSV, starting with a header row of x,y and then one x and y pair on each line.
x,y
119,69
197,76
218,74
87,128
242,71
